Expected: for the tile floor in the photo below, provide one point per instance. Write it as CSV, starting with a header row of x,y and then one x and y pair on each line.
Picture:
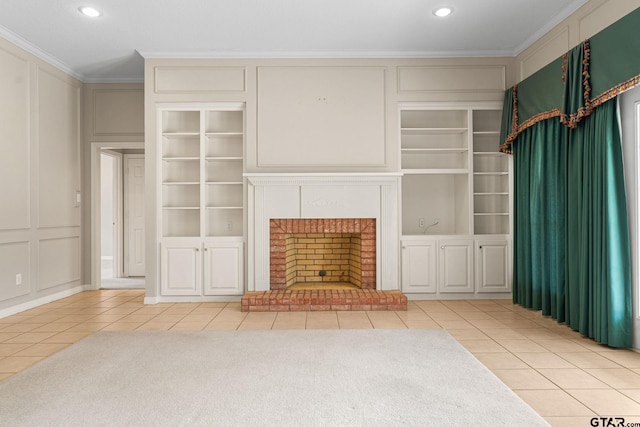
x,y
567,378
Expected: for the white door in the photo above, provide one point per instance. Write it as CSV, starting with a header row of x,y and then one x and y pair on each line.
x,y
223,268
455,272
134,216
419,266
492,266
181,265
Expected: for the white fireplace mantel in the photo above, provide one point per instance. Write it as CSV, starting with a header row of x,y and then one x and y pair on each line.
x,y
323,195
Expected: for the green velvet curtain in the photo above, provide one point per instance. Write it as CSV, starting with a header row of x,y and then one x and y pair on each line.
x,y
571,241
540,159
571,236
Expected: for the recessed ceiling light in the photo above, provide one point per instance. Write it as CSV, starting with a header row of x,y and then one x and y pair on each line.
x,y
90,11
441,12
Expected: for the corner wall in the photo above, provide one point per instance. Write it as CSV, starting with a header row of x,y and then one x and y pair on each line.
x,y
40,214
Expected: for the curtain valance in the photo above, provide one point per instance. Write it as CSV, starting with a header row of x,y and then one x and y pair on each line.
x,y
573,85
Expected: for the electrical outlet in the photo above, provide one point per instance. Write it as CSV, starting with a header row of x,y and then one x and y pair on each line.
x,y
421,223
229,225
19,279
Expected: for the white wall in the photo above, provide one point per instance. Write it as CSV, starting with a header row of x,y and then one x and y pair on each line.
x,y
39,178
630,115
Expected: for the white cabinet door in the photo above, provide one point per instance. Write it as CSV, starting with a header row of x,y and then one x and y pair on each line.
x,y
492,266
223,268
419,266
455,266
181,265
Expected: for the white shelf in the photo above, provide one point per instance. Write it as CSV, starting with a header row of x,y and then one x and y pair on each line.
x,y
488,153
435,171
202,163
453,171
179,134
224,207
223,182
435,150
432,131
490,173
489,132
224,133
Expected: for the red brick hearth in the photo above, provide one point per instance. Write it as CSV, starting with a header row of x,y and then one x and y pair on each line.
x,y
324,300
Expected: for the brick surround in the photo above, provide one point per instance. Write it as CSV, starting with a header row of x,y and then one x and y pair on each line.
x,y
345,249
324,300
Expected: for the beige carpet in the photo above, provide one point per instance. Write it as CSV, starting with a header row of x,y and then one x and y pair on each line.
x,y
262,378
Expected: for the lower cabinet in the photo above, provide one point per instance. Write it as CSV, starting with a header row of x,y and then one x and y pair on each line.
x,y
493,266
223,268
455,265
419,266
202,268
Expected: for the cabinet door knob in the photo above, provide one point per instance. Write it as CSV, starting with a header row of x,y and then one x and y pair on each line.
x,y
441,247
197,249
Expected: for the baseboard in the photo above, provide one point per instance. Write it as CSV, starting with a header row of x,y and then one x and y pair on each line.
x,y
202,298
151,300
9,311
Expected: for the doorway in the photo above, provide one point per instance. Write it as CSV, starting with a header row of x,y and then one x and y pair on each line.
x,y
117,216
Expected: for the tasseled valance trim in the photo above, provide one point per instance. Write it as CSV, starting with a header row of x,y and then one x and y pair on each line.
x,y
569,119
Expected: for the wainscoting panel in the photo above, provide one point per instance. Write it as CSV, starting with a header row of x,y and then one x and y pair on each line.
x,y
58,261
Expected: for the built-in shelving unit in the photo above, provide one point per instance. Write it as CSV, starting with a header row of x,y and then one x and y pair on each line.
x,y
202,164
202,200
456,199
491,200
435,158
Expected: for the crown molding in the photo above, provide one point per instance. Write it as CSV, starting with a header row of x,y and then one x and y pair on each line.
x,y
39,53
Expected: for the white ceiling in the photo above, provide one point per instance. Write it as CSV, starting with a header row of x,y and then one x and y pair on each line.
x,y
108,48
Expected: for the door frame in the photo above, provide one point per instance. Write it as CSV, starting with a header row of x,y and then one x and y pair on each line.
x,y
96,149
117,210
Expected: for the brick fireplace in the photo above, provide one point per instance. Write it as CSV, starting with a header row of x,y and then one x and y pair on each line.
x,y
315,250
296,209
309,199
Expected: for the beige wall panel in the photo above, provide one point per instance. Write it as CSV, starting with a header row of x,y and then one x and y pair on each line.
x,y
118,112
14,260
451,79
603,16
321,116
58,261
200,79
545,53
58,152
14,141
